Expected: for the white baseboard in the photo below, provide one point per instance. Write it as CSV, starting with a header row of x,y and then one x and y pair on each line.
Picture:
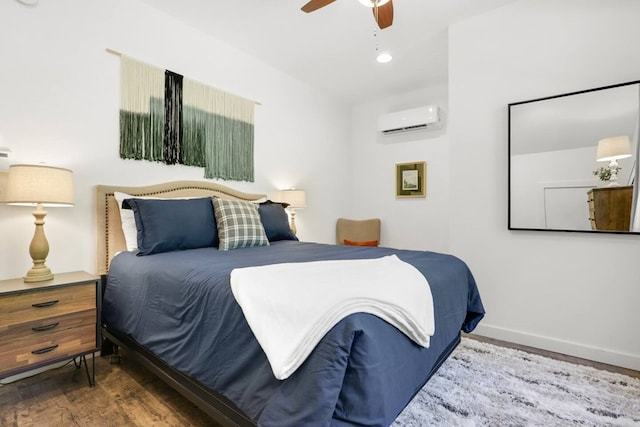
x,y
625,360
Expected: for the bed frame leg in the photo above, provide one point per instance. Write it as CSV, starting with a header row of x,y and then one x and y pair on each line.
x,y
109,348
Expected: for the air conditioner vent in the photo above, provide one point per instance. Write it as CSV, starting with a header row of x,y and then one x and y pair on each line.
x,y
420,118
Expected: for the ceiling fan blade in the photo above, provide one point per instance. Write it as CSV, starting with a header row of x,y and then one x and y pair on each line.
x,y
315,5
384,15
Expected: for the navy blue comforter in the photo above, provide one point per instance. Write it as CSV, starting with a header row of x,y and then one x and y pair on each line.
x,y
179,305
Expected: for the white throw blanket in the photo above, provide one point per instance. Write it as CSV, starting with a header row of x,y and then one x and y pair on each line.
x,y
291,306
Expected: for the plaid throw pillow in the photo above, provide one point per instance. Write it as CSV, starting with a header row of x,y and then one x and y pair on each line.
x,y
239,224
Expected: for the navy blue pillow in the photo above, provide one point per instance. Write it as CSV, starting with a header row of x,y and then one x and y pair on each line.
x,y
166,225
275,221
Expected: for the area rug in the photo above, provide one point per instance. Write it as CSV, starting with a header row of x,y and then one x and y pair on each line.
x,y
485,385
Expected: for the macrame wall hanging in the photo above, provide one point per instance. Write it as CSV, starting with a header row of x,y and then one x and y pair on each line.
x,y
165,117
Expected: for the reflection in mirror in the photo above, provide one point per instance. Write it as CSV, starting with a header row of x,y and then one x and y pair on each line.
x,y
573,161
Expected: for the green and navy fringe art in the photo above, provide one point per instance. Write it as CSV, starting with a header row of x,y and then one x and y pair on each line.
x,y
165,117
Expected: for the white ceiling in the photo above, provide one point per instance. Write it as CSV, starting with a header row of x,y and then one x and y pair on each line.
x,y
334,48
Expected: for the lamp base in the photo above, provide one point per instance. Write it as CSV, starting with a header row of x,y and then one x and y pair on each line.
x,y
613,180
38,273
293,222
39,249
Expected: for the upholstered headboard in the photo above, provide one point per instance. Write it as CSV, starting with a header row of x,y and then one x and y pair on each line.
x,y
110,235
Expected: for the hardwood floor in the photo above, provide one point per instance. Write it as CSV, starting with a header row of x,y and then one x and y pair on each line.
x,y
127,394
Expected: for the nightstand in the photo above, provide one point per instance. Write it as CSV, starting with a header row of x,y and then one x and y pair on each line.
x,y
48,322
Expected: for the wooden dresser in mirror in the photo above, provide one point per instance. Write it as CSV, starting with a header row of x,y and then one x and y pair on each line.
x,y
610,208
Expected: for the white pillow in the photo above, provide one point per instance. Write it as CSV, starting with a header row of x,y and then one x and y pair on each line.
x,y
128,221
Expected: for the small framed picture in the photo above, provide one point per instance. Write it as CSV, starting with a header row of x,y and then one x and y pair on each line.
x,y
411,179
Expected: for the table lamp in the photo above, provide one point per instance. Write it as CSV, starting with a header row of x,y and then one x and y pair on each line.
x,y
296,199
39,186
612,149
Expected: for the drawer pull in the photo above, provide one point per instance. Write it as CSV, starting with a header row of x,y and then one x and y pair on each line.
x,y
45,327
45,350
45,304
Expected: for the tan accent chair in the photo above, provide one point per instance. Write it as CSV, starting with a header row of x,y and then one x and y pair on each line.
x,y
362,232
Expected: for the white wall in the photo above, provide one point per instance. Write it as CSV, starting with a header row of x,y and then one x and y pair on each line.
x,y
569,292
532,173
419,223
59,101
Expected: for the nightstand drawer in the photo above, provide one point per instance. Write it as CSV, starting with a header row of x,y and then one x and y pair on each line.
x,y
46,322
49,325
35,348
25,307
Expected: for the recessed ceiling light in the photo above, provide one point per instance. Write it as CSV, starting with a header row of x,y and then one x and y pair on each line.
x,y
370,3
384,57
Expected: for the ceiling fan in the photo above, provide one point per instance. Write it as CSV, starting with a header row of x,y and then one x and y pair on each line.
x,y
382,9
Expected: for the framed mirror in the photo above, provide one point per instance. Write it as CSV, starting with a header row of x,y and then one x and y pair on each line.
x,y
573,161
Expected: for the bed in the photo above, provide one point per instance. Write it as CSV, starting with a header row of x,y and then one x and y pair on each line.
x,y
175,311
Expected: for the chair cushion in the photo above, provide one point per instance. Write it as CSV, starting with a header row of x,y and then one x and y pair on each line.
x,y
365,243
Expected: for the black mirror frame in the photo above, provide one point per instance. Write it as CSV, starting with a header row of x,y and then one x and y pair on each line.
x,y
509,107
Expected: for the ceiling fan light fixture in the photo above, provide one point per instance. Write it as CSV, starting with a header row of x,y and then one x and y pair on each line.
x,y
371,3
384,57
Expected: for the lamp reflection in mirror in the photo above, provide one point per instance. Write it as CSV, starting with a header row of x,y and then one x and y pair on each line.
x,y
612,149
297,199
39,186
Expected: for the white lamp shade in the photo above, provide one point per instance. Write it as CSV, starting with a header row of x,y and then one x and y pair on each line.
x,y
617,147
295,198
30,185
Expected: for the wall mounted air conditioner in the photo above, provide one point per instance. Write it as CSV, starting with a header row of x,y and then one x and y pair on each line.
x,y
420,118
